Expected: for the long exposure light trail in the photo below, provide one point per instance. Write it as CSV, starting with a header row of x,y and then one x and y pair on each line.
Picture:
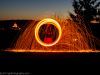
x,y
46,21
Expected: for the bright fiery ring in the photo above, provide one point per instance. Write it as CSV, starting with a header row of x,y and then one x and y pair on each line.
x,y
45,21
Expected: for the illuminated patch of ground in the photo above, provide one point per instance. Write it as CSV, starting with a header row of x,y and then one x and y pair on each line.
x,y
53,51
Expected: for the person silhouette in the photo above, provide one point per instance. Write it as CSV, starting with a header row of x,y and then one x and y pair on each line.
x,y
48,34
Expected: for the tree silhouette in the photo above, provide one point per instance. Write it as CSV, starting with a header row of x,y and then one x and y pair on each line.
x,y
85,10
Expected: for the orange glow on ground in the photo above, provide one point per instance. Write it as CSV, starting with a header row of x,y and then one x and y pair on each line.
x,y
53,51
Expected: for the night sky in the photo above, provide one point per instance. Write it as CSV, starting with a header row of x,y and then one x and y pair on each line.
x,y
30,9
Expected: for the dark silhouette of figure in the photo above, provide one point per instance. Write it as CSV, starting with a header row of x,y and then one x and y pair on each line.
x,y
48,33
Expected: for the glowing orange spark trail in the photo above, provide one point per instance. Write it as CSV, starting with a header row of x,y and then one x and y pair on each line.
x,y
71,38
46,21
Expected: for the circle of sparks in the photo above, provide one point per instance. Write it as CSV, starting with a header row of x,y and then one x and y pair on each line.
x,y
46,21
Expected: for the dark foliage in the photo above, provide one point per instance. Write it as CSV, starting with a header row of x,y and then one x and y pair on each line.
x,y
85,9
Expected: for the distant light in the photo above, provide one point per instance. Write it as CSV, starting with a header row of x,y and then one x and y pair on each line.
x,y
15,25
94,21
45,21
